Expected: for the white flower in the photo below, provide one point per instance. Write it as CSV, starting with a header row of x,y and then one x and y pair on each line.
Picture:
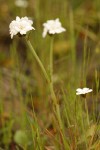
x,y
21,3
83,91
21,26
52,27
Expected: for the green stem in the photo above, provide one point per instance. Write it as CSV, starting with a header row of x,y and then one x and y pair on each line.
x,y
87,113
51,83
38,60
51,59
56,105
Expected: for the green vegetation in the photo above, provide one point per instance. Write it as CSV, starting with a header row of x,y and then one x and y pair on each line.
x,y
38,110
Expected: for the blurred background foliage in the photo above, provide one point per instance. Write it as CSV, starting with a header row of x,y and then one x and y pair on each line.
x,y
80,18
20,76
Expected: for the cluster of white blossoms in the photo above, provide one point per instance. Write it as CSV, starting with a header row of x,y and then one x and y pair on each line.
x,y
20,26
21,3
52,27
83,91
23,25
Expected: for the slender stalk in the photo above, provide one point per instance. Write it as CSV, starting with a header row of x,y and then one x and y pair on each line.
x,y
51,84
56,105
51,59
38,60
87,113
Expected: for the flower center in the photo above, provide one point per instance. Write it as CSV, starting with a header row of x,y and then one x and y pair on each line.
x,y
21,27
